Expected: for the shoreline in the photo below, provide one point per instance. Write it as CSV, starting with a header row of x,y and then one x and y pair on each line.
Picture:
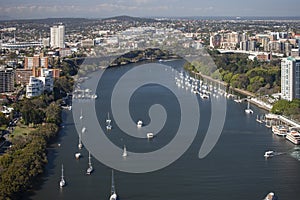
x,y
251,96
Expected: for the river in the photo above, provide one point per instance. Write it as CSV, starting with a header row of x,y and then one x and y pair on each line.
x,y
234,169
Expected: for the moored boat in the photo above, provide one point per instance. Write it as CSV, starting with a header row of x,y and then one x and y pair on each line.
x,y
280,130
139,124
150,135
293,136
62,181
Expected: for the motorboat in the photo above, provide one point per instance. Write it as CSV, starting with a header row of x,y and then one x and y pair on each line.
x,y
269,154
150,135
270,196
139,124
77,155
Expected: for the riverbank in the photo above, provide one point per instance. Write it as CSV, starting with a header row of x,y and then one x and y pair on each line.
x,y
250,96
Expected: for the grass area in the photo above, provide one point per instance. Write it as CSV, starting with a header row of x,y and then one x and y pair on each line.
x,y
21,130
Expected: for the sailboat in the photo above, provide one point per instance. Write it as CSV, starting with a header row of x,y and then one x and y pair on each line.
x,y
62,182
113,195
248,110
90,169
81,116
79,142
124,152
108,121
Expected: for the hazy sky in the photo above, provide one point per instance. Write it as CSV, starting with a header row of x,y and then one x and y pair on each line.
x,y
107,8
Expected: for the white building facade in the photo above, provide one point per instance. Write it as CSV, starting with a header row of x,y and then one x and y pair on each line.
x,y
57,36
37,85
290,78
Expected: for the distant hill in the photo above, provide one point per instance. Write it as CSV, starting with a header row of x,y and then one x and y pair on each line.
x,y
5,18
129,19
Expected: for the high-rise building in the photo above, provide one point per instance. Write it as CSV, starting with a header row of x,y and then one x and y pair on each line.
x,y
7,79
290,78
57,36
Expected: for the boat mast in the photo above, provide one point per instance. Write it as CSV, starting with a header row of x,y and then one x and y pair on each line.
x,y
90,163
62,172
113,190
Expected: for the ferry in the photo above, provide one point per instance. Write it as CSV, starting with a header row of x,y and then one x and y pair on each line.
x,y
269,154
293,136
280,130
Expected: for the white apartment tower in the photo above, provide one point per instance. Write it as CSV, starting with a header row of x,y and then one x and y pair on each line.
x,y
290,78
57,36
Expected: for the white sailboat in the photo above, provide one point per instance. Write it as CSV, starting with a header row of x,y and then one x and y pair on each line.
x,y
248,110
90,168
113,194
108,121
124,152
81,116
62,182
79,142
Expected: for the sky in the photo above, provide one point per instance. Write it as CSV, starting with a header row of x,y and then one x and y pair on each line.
x,y
28,9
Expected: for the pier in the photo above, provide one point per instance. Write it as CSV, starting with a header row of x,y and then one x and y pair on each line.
x,y
280,119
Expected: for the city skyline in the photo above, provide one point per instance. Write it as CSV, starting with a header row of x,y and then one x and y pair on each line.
x,y
16,9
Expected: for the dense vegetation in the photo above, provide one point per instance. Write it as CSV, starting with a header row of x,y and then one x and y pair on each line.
x,y
25,160
140,55
287,108
240,72
27,156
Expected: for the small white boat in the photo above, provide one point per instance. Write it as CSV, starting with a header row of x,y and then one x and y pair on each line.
x,y
150,135
80,145
269,154
108,127
139,124
113,194
77,155
248,110
270,196
62,181
90,168
204,96
124,152
108,121
81,116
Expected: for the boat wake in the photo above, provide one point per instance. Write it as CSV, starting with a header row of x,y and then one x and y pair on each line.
x,y
296,153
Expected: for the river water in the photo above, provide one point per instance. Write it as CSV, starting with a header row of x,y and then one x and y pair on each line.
x,y
234,169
